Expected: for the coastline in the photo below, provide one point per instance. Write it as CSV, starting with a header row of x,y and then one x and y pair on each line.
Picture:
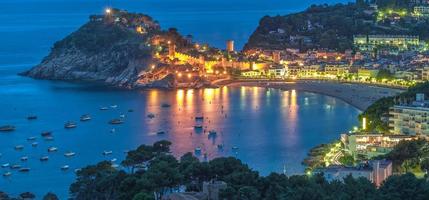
x,y
360,96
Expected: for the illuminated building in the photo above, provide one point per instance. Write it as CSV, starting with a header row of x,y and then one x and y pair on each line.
x,y
421,11
410,119
230,45
371,145
336,70
276,56
171,49
369,42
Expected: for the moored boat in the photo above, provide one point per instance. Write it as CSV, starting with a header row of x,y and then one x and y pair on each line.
x,y
24,169
31,138
34,144
7,128
7,174
104,108
85,117
165,105
160,132
199,118
151,115
69,125
19,147
70,154
52,149
46,133
15,166
105,153
32,117
116,121
65,168
212,133
24,158
5,165
197,150
44,158
198,127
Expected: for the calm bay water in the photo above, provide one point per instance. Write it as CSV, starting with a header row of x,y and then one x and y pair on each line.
x,y
271,128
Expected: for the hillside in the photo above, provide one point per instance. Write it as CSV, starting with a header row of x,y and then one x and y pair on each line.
x,y
330,27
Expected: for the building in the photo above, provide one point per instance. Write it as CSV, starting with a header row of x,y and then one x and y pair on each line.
x,y
375,171
364,74
382,169
277,71
251,73
400,42
421,11
371,145
230,45
410,119
336,70
424,75
276,56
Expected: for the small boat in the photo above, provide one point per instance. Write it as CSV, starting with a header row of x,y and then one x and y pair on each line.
x,y
165,105
69,125
115,165
114,106
160,132
116,121
105,153
5,165
19,147
46,133
112,130
104,108
220,146
34,144
85,117
199,118
77,170
234,148
130,110
49,138
31,138
70,154
198,150
52,149
7,174
15,166
151,115
122,116
212,133
7,128
24,169
44,158
65,168
113,160
24,158
32,117
198,126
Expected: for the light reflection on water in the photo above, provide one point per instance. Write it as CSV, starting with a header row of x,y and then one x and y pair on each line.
x,y
270,127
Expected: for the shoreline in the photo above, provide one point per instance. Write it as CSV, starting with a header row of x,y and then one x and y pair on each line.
x,y
360,96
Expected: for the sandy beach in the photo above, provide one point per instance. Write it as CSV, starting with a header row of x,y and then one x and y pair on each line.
x,y
360,96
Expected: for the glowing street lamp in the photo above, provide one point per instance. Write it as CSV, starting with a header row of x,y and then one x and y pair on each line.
x,y
108,11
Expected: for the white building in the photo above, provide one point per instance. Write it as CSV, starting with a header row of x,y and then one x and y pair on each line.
x,y
410,119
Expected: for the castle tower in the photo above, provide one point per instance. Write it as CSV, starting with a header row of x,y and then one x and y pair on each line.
x,y
230,45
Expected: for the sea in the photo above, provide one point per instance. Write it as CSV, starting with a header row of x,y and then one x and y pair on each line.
x,y
270,130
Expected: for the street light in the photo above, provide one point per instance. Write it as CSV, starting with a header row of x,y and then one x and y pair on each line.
x,y
108,10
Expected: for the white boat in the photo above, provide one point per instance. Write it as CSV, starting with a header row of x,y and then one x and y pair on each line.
x,y
69,125
44,158
19,147
122,116
65,168
34,144
31,138
52,149
104,108
198,150
114,106
112,130
198,126
7,174
7,128
70,154
116,121
113,160
24,158
46,133
234,148
115,165
85,117
77,170
49,138
107,153
5,165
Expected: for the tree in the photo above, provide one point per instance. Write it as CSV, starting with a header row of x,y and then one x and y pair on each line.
x,y
50,196
143,196
404,187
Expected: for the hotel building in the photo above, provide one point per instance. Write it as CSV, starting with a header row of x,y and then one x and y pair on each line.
x,y
369,42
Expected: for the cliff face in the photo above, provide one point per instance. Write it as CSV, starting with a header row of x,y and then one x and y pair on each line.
x,y
103,50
